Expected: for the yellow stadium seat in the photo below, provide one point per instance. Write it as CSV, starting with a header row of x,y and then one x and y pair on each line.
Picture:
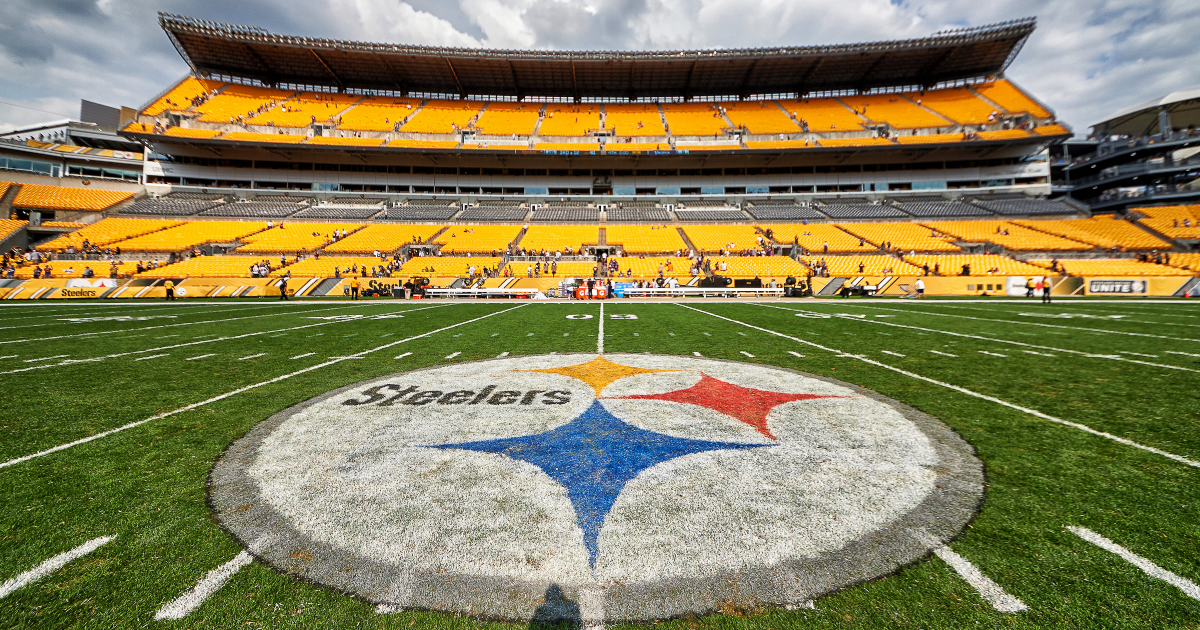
x,y
438,116
77,268
903,236
8,227
107,232
760,117
237,100
643,268
330,267
190,234
1105,232
763,267
633,120
505,119
981,264
824,115
1011,98
815,236
645,239
1190,262
636,146
1017,238
895,110
477,239
854,142
294,237
556,238
42,197
933,138
717,238
562,119
959,104
694,119
180,97
304,110
377,113
180,132
453,266
778,144
345,142
1002,134
278,138
567,146
383,237
850,266
1051,130
406,143
1178,222
208,267
1121,267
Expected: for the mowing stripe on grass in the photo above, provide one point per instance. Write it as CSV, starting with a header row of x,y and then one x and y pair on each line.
x,y
600,335
1189,588
179,607
1010,342
963,390
240,390
52,565
982,584
203,356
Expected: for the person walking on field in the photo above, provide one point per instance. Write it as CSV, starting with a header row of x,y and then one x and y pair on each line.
x,y
170,286
354,288
283,288
920,285
1046,286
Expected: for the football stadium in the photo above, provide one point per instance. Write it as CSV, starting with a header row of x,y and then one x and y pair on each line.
x,y
655,315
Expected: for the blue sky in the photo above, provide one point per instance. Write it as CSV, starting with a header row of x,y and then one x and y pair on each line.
x,y
1088,58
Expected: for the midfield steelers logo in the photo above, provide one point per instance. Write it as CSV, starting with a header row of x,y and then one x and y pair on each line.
x,y
638,486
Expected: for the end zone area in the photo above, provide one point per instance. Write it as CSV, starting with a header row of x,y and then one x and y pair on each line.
x,y
1082,412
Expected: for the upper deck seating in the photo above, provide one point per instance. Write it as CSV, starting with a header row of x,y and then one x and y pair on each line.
x,y
190,234
633,120
477,239
851,266
895,110
348,142
823,115
424,210
503,119
855,142
643,211
180,97
645,239
422,144
42,197
448,265
382,237
1016,207
236,101
959,104
1002,134
719,238
255,209
903,236
944,209
106,232
277,138
1178,222
694,119
563,119
378,113
555,238
715,214
495,211
438,116
780,209
1011,98
1051,130
195,196
861,211
294,237
1102,231
1119,267
760,117
339,211
304,110
206,267
1009,235
816,237
167,206
980,265
933,138
558,211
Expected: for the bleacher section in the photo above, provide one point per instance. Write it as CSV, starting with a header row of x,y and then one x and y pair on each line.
x,y
645,239
206,267
642,268
895,110
169,206
850,266
815,237
1111,268
1190,262
294,237
959,104
823,115
1178,222
981,265
944,209
718,238
77,269
339,211
42,197
424,210
643,211
1106,232
187,235
694,119
378,114
447,265
728,214
1013,100
1007,234
566,211
503,119
861,211
563,119
903,236
8,227
556,238
760,117
776,210
236,101
763,267
633,121
495,211
255,210
386,237
106,232
329,267
180,97
477,239
304,110
1018,207
438,116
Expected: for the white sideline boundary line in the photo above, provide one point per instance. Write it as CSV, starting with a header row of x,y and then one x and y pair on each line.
x,y
987,589
240,390
1010,342
600,336
963,390
1189,588
196,343
179,607
52,565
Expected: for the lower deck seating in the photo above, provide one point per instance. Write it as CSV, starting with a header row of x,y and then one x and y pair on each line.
x,y
383,237
1122,267
903,236
850,266
556,238
331,267
980,265
818,238
456,266
1106,232
1007,234
191,234
207,267
106,232
642,268
295,237
718,238
477,239
42,197
645,239
1178,222
763,267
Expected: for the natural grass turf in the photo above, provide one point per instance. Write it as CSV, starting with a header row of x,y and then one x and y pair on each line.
x,y
147,483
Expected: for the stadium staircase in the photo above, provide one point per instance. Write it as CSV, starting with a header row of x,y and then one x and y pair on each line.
x,y
602,239
687,241
1176,246
6,202
949,123
537,127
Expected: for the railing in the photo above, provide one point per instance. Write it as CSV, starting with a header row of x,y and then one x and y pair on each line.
x,y
1142,168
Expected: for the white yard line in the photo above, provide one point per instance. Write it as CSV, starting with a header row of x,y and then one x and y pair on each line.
x,y
203,356
600,335
501,355
46,358
452,355
301,356
895,354
1186,354
963,390
747,353
993,354
1189,588
11,356
240,390
696,353
401,356
253,356
1138,354
179,607
801,356
1040,354
153,356
982,584
52,565
945,354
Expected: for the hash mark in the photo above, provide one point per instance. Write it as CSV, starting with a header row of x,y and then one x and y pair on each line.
x,y
945,354
747,354
153,356
253,356
451,356
203,356
993,354
301,356
501,355
795,354
895,354
403,355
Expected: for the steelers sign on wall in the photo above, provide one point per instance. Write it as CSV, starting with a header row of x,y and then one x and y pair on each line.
x,y
637,486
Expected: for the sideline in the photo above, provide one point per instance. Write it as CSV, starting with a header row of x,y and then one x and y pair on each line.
x,y
240,390
1032,412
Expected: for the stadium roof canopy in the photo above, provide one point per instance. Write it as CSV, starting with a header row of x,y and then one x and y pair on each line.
x,y
1142,120
251,53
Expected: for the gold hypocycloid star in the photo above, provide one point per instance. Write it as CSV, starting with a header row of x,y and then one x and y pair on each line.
x,y
599,372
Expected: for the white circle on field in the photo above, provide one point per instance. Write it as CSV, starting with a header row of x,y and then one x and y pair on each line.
x,y
579,316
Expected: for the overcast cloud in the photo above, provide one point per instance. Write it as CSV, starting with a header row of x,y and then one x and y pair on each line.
x,y
1087,59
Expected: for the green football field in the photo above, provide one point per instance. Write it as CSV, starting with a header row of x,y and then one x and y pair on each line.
x,y
1086,414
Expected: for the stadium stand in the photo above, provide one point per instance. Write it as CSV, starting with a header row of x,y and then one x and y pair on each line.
x,y
850,266
816,236
980,265
374,114
106,232
1012,99
562,119
694,119
1030,207
495,211
633,120
895,110
169,206
959,104
638,213
771,210
190,234
643,268
567,146
503,119
728,214
347,142
1051,130
383,237
854,142
719,238
764,267
182,132
294,237
617,147
902,236
65,225
43,197
4,186
194,196
408,143
306,109
556,238
8,227
447,265
1178,222
1002,134
78,268
237,101
1123,267
255,209
563,269
1107,232
943,209
180,97
1190,261
477,238
558,211
277,138
779,144
645,239
861,211
206,267
339,211
760,117
823,115
935,138
330,267
1009,235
